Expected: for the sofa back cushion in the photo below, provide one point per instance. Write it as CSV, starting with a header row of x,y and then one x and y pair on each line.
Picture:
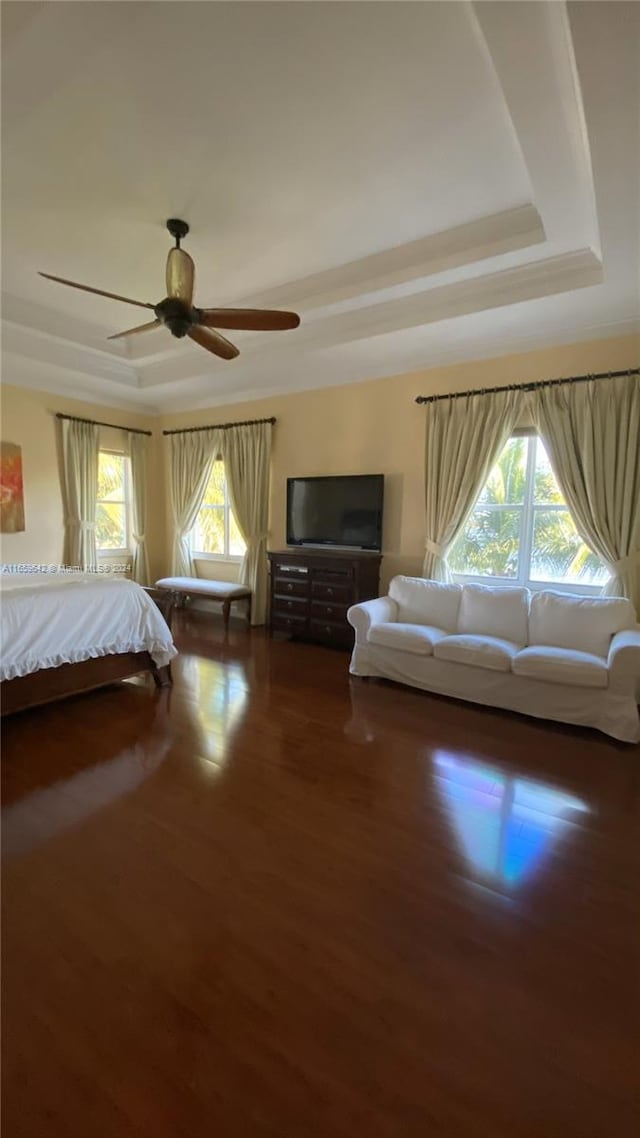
x,y
490,610
586,624
426,602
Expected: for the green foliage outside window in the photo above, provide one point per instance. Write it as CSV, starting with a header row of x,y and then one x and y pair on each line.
x,y
216,521
494,540
111,511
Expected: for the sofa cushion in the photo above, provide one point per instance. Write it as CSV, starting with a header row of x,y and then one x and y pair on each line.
x,y
479,651
490,610
416,638
426,602
562,666
563,620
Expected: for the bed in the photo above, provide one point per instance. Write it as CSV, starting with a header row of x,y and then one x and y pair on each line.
x,y
65,633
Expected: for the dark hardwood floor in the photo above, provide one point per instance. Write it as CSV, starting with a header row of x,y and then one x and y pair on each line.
x,y
274,903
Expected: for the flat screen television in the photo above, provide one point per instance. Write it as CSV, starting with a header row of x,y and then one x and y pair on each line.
x,y
342,511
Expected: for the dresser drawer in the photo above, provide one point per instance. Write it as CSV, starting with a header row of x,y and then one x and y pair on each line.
x,y
323,591
290,606
295,624
327,632
290,587
328,611
331,576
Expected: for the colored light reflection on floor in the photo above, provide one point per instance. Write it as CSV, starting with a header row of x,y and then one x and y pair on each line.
x,y
505,825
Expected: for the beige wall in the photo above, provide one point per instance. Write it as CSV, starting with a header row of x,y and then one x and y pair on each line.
x,y
370,427
28,419
376,427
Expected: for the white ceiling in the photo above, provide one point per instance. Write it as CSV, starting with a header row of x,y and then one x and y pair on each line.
x,y
423,182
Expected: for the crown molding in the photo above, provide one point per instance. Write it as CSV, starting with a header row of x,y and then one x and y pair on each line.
x,y
19,371
477,240
545,277
42,347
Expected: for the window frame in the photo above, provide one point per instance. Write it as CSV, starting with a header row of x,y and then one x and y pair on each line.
x,y
126,549
203,554
527,517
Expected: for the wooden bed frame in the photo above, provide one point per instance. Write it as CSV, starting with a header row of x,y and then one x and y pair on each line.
x,y
71,679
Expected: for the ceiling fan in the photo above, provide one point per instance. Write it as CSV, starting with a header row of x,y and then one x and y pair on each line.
x,y
179,314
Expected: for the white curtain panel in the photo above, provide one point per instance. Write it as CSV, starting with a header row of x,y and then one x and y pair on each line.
x,y
80,443
592,433
191,458
247,463
464,437
138,457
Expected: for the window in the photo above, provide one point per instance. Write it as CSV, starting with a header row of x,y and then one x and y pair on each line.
x,y
520,531
112,513
216,531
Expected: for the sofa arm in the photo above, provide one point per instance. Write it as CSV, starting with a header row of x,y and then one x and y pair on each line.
x,y
382,610
624,655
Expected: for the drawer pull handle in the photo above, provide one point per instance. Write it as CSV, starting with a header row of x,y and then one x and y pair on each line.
x,y
290,586
329,592
330,612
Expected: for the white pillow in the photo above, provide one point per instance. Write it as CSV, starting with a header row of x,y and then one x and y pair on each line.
x,y
426,602
586,624
495,610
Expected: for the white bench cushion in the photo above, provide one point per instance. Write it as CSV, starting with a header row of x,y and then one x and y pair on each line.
x,y
219,590
487,610
416,638
584,623
426,602
562,666
479,651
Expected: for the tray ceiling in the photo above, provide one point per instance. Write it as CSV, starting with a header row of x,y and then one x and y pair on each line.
x,y
422,182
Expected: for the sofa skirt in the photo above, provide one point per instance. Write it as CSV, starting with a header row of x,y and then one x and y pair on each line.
x,y
613,711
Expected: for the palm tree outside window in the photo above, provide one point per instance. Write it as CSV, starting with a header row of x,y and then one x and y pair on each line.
x,y
520,531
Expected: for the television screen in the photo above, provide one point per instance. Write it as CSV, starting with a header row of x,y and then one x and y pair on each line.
x,y
341,511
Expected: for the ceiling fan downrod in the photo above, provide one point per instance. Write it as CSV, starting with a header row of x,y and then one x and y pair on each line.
x,y
178,229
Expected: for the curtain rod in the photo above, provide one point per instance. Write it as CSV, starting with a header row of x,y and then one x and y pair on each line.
x,y
97,423
219,426
528,386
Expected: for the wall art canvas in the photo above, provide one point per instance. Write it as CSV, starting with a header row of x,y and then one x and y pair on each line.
x,y
11,491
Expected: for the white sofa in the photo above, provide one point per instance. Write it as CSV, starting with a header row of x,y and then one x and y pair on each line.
x,y
553,655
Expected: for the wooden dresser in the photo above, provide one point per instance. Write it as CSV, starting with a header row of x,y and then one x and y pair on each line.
x,y
311,590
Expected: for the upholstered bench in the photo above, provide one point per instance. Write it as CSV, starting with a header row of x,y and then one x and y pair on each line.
x,y
181,588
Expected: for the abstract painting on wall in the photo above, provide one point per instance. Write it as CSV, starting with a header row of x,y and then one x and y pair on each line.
x,y
11,493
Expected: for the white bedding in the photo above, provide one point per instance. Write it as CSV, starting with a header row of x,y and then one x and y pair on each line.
x,y
48,619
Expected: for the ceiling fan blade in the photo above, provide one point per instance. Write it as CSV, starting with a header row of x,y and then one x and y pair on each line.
x,y
249,319
97,291
181,273
213,342
134,331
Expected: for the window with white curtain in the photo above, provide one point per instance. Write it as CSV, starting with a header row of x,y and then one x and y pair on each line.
x,y
520,531
113,511
216,532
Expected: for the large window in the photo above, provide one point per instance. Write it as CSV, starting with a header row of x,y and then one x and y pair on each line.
x,y
520,530
112,514
216,531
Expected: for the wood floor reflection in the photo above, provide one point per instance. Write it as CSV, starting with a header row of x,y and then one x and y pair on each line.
x,y
276,903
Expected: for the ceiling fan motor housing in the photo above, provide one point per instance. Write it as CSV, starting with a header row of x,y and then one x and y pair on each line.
x,y
176,315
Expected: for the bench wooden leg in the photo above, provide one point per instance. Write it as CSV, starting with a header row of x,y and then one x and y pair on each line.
x,y
249,599
226,609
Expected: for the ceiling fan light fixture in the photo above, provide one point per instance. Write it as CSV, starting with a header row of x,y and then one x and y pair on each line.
x,y
178,313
